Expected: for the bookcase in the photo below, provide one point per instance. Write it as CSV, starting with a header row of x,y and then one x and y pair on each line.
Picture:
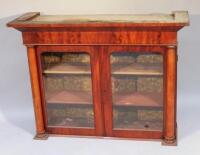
x,y
103,75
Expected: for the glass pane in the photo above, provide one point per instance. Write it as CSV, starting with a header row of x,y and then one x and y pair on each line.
x,y
137,90
68,89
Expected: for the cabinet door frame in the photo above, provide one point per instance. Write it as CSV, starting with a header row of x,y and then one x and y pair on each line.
x,y
98,129
105,52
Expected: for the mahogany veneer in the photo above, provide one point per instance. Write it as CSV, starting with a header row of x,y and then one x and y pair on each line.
x,y
100,36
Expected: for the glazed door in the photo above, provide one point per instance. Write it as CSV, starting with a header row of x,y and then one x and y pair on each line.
x,y
133,81
71,90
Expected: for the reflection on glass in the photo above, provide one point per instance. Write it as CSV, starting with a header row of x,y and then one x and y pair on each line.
x,y
68,90
137,90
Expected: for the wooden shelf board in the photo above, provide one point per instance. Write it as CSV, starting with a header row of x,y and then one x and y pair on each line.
x,y
140,125
85,98
137,69
138,99
66,68
133,69
69,97
72,122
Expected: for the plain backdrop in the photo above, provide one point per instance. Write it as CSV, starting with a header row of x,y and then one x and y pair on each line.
x,y
16,111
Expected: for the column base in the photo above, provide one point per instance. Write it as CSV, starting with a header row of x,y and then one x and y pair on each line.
x,y
169,142
43,136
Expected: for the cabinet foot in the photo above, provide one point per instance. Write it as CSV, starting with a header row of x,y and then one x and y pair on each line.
x,y
42,136
169,141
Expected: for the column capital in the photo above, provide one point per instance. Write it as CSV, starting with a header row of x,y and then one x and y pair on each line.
x,y
171,46
30,46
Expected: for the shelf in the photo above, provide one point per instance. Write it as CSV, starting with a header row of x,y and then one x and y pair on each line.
x,y
139,125
85,98
69,122
132,69
138,99
69,97
66,68
137,69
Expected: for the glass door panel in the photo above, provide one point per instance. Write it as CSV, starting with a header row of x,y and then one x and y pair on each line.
x,y
68,89
137,90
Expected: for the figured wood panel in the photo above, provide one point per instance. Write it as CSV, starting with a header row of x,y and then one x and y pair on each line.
x,y
100,37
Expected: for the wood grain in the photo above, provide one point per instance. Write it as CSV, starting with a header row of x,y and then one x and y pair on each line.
x,y
100,40
137,134
170,99
95,75
101,37
36,90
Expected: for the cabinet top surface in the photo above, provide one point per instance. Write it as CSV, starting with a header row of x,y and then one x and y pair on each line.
x,y
34,19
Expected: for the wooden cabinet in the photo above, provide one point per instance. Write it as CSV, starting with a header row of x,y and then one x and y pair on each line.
x,y
110,76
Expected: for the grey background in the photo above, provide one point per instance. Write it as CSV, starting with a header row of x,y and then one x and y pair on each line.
x,y
17,118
